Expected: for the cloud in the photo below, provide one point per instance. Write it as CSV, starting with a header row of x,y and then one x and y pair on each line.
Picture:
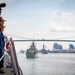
x,y
69,15
42,31
53,28
45,30
59,28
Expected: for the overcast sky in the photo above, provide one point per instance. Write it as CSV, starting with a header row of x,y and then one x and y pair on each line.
x,y
48,19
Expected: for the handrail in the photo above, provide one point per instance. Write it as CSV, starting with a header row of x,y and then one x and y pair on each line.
x,y
14,60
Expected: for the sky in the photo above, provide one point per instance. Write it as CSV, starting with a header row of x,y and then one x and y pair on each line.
x,y
48,19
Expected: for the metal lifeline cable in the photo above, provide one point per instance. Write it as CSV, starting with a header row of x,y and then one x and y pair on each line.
x,y
5,53
17,36
30,38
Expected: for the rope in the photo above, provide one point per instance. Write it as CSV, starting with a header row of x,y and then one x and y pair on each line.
x,y
17,36
31,38
5,53
2,57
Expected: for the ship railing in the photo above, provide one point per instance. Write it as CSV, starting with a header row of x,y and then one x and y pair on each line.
x,y
14,60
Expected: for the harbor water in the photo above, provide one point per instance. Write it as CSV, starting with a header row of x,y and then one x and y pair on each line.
x,y
48,64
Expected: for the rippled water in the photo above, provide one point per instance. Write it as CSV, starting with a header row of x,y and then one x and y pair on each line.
x,y
48,64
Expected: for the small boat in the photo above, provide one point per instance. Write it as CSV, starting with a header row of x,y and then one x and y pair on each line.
x,y
22,51
32,51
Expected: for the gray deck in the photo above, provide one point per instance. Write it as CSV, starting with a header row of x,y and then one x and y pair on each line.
x,y
8,70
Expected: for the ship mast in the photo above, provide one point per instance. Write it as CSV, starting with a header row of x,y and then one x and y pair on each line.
x,y
43,46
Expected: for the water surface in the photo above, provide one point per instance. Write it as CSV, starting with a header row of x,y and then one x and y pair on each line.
x,y
48,64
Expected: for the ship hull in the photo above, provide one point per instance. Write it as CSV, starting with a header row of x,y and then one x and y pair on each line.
x,y
31,55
